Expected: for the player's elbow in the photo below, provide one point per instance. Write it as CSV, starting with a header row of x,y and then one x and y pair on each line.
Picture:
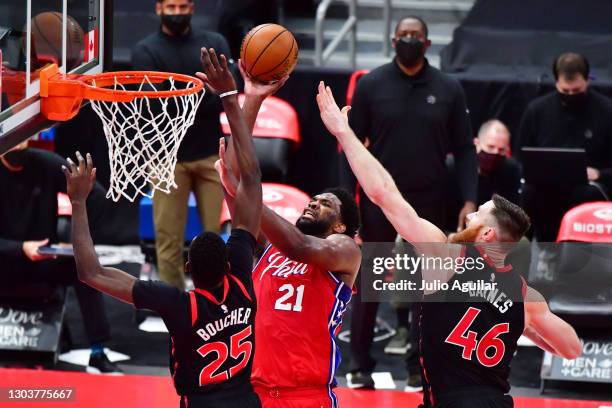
x,y
378,194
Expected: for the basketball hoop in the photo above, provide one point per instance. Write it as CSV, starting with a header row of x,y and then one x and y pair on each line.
x,y
143,137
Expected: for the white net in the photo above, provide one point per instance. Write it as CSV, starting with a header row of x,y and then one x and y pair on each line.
x,y
144,135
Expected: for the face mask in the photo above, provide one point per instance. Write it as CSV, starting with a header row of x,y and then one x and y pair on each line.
x,y
409,51
16,157
573,102
177,23
489,162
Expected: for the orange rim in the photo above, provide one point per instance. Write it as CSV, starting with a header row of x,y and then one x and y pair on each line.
x,y
99,91
63,94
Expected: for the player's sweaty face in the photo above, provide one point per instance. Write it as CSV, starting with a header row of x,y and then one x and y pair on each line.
x,y
322,207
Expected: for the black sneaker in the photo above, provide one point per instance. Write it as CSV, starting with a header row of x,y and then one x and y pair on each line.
x,y
414,383
359,380
100,364
400,343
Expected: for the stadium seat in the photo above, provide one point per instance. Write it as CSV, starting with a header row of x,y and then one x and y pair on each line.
x,y
583,294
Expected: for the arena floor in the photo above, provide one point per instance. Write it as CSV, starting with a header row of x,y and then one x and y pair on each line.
x,y
95,391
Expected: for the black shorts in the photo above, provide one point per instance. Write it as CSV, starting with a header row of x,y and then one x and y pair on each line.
x,y
243,400
474,398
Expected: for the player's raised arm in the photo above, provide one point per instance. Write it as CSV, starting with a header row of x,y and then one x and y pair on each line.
x,y
548,330
248,191
375,180
79,180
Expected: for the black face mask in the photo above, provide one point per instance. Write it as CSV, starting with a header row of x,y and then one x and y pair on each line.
x,y
176,23
489,162
16,158
573,102
409,51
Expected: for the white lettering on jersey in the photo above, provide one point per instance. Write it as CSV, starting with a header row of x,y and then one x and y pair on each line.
x,y
237,316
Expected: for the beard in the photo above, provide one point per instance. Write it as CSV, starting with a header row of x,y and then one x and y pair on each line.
x,y
317,228
466,236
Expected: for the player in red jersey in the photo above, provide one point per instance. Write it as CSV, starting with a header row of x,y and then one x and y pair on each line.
x,y
303,283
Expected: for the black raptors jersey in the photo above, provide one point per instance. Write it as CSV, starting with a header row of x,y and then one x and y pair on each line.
x,y
212,333
468,336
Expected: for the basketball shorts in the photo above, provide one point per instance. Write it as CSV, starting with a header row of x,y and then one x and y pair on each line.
x,y
242,400
316,397
477,397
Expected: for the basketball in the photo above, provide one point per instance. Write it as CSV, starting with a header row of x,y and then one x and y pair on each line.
x,y
47,39
269,52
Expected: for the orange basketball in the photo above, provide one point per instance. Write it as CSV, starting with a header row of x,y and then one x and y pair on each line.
x,y
269,52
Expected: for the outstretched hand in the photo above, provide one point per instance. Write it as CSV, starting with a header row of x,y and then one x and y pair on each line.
x,y
216,73
79,178
228,179
255,88
335,120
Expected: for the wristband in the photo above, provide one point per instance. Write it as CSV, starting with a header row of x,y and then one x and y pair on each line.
x,y
224,94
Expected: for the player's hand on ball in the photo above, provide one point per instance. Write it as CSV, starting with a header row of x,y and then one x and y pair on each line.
x,y
335,120
79,177
216,73
253,87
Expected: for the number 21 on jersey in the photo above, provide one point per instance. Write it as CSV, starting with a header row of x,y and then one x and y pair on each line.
x,y
291,298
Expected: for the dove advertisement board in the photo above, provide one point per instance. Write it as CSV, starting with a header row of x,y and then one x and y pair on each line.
x,y
32,327
594,365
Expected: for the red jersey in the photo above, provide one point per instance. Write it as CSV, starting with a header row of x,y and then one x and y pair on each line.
x,y
299,314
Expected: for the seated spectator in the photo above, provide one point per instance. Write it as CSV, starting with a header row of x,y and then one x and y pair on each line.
x,y
573,116
31,179
497,173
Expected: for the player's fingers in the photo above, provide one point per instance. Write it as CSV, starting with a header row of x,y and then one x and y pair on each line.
x,y
71,166
214,59
202,76
82,164
322,92
330,94
93,174
223,61
241,68
89,162
206,62
345,111
66,171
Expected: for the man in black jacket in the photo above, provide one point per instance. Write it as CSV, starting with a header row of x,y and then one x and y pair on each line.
x,y
176,48
31,180
573,116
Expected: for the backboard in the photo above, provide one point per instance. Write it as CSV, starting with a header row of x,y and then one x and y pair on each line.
x,y
36,33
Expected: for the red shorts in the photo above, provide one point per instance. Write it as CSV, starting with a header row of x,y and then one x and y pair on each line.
x,y
306,397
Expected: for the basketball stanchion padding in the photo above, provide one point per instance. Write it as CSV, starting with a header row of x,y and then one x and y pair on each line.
x,y
143,136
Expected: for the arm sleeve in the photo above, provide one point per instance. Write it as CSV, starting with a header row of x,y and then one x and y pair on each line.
x,y
360,120
157,296
240,248
10,247
464,151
